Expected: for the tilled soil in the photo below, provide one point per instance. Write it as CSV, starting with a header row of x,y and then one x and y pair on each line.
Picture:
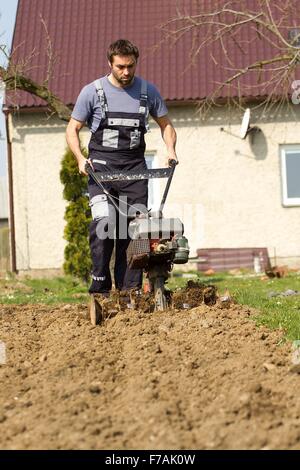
x,y
200,378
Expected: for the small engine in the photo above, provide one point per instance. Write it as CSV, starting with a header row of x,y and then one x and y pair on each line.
x,y
156,240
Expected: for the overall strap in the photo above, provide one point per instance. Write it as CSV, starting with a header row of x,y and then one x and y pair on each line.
x,y
143,109
102,97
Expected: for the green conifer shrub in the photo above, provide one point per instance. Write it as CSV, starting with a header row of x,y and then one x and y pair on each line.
x,y
78,217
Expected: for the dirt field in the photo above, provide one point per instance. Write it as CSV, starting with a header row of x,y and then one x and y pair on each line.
x,y
204,378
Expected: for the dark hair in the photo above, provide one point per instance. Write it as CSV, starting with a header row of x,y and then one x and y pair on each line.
x,y
122,47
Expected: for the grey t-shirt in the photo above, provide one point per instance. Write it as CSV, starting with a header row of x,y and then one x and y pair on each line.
x,y
87,108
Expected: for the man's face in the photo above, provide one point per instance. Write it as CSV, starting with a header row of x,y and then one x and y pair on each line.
x,y
123,68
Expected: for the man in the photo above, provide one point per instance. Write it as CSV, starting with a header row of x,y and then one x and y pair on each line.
x,y
116,109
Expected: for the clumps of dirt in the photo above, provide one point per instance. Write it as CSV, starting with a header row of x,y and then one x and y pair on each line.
x,y
193,295
119,301
203,378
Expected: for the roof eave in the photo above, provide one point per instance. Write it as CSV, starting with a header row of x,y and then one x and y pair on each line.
x,y
169,102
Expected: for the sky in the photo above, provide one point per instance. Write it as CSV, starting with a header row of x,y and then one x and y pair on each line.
x,y
7,20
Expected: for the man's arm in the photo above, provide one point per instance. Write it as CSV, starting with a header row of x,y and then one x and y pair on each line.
x,y
72,136
169,136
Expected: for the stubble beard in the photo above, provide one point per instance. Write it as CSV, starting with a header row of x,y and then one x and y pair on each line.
x,y
122,81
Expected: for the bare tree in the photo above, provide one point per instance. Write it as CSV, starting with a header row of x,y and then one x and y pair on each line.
x,y
235,28
220,28
14,80
16,76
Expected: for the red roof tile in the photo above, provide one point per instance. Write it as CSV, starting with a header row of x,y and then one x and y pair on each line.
x,y
81,31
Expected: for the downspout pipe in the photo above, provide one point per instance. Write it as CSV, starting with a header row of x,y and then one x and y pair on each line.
x,y
11,193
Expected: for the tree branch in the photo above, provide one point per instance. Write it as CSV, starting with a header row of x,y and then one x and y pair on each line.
x,y
223,27
15,81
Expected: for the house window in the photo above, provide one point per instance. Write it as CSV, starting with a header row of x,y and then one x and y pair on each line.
x,y
153,184
290,174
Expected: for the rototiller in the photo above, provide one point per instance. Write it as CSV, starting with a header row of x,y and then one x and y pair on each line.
x,y
156,242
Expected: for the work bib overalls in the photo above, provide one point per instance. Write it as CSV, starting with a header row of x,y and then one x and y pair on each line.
x,y
117,144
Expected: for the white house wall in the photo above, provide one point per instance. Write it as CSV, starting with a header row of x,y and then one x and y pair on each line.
x,y
226,190
38,145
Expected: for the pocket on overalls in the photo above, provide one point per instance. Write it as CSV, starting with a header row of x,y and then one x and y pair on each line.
x,y
99,206
110,138
135,139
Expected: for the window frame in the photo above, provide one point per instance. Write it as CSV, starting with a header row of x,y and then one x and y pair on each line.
x,y
284,150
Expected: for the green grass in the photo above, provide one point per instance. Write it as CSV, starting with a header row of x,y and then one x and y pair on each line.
x,y
274,312
45,291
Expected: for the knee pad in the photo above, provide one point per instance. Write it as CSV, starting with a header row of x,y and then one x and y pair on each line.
x,y
99,206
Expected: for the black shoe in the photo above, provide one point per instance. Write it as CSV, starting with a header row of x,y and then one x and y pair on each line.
x,y
97,287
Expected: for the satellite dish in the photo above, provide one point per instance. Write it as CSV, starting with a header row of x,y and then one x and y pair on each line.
x,y
245,127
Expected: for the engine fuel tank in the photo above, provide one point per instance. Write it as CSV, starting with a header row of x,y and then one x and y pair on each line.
x,y
155,228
